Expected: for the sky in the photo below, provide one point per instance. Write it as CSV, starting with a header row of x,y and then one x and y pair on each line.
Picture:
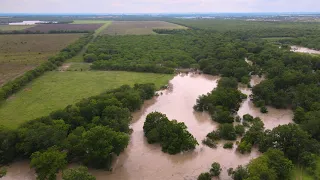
x,y
157,6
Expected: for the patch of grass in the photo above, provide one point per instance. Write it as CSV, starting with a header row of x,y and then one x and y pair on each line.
x,y
79,66
14,27
89,22
300,173
20,53
55,90
138,27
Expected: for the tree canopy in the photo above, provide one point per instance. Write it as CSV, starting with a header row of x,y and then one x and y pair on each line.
x,y
172,135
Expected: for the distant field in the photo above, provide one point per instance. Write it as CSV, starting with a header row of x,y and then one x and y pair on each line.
x,y
56,90
89,22
64,27
230,25
20,53
14,27
138,27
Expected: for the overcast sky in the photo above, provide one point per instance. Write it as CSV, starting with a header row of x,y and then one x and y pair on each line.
x,y
156,6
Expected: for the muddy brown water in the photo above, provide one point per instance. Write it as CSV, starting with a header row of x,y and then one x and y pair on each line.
x,y
141,160
304,50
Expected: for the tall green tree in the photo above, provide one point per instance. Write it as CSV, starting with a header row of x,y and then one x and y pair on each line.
x,y
48,163
80,173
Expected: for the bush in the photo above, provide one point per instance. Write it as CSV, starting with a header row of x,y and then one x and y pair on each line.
x,y
80,173
263,109
227,132
215,169
204,176
239,129
228,145
244,147
247,117
209,142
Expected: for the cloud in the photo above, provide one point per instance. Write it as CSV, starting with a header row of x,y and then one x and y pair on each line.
x,y
156,6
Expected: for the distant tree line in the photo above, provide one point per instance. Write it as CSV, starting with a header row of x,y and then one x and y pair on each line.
x,y
211,52
90,132
15,85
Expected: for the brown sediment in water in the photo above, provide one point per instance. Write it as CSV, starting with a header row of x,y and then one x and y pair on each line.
x,y
304,50
273,118
141,160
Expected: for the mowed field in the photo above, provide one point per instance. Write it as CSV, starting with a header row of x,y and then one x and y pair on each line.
x,y
14,27
64,27
20,53
89,22
138,27
55,90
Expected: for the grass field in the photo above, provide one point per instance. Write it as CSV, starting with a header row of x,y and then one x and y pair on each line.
x,y
138,27
20,53
300,174
89,22
14,27
45,28
56,90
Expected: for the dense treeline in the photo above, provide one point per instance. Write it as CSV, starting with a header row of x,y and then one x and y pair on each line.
x,y
211,52
91,131
292,141
302,33
172,135
53,62
271,165
293,82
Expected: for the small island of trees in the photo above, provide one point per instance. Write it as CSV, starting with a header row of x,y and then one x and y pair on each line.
x,y
172,135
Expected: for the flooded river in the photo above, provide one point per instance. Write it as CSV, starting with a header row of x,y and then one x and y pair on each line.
x,y
304,50
144,161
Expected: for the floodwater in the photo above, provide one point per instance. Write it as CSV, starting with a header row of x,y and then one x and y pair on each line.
x,y
29,22
304,50
141,160
273,118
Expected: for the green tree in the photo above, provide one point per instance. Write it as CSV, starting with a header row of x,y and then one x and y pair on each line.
x,y
100,143
240,173
80,173
227,132
215,169
8,140
259,169
204,176
3,172
39,136
48,163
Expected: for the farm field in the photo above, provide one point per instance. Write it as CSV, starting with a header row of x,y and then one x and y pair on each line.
x,y
14,27
89,22
138,27
64,27
56,90
79,57
20,53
